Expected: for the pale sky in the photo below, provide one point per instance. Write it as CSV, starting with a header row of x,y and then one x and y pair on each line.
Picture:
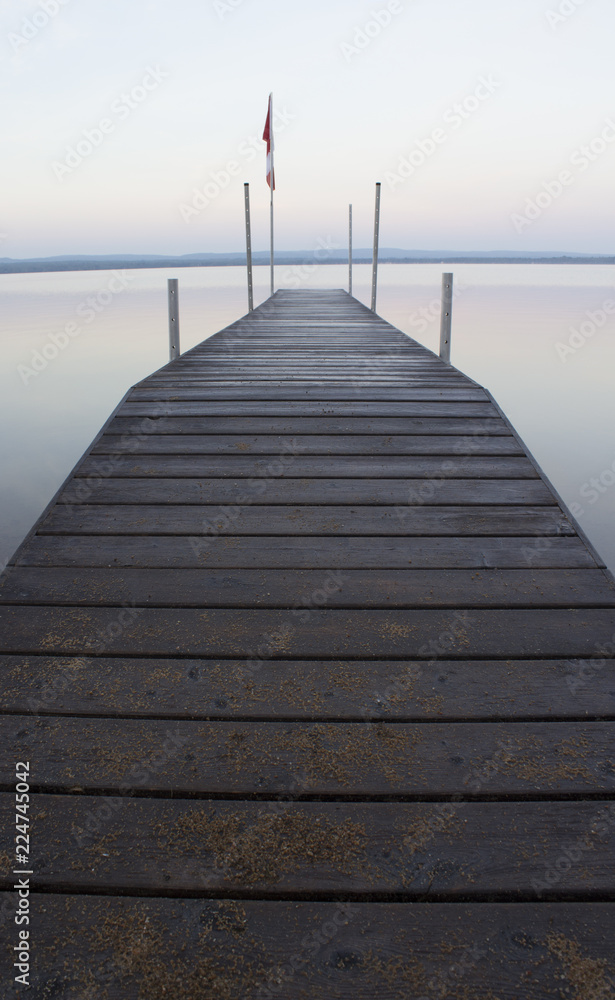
x,y
488,104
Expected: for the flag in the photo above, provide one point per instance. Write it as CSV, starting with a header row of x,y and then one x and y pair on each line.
x,y
268,138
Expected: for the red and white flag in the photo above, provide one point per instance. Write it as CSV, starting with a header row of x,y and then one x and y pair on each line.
x,y
268,138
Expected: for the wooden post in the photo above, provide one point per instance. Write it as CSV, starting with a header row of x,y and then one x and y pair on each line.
x,y
375,255
246,189
173,319
350,249
446,318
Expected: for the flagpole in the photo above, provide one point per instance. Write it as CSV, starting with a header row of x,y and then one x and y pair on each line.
x,y
272,177
350,249
376,239
246,189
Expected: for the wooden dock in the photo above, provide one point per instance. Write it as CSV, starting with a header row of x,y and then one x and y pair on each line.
x,y
307,661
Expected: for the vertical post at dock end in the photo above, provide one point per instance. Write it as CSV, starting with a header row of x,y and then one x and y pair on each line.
x,y
375,254
350,249
246,189
446,318
173,319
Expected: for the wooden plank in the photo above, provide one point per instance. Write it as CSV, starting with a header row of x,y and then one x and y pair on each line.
x,y
392,690
293,848
477,428
366,374
302,359
300,552
369,373
358,588
290,463
204,949
330,634
309,408
310,377
374,492
301,520
348,760
305,444
328,394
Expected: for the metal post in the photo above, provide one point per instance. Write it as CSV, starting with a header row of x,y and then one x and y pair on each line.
x,y
246,190
272,179
173,319
375,257
272,282
446,318
350,249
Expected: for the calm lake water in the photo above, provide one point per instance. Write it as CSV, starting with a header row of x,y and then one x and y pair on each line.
x,y
508,321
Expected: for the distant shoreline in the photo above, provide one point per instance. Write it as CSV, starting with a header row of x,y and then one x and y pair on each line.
x,y
284,259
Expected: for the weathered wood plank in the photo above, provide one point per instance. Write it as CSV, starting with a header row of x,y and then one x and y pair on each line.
x,y
251,376
264,374
177,519
312,444
394,690
328,394
267,588
475,427
336,634
311,552
351,760
204,949
374,492
291,463
171,847
308,408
